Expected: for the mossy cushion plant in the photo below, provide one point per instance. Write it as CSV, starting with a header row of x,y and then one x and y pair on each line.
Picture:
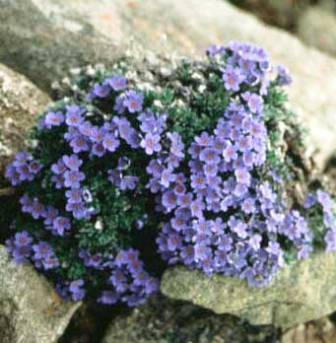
x,y
137,170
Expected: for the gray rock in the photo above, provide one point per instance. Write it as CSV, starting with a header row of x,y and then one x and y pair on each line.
x,y
320,331
20,104
282,13
301,292
30,310
166,321
43,38
36,44
317,28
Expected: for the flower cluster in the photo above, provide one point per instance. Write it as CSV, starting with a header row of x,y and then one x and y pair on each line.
x,y
128,282
52,220
324,202
125,175
224,217
66,174
91,142
24,168
22,247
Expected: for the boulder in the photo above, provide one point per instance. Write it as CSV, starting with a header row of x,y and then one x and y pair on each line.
x,y
317,28
30,310
38,44
165,321
20,104
320,331
44,38
301,292
282,13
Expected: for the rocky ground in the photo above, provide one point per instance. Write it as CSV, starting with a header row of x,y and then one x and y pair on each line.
x,y
41,40
314,21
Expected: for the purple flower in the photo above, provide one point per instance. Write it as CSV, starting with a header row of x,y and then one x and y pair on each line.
x,y
267,192
78,209
12,175
174,242
243,176
50,214
37,210
185,200
128,182
98,150
53,119
239,227
310,201
72,162
197,207
169,200
167,177
215,50
198,181
204,139
248,206
255,241
23,168
304,251
34,167
125,129
284,78
232,78
119,105
61,225
78,144
133,101
325,200
76,290
209,156
42,250
74,195
151,143
59,167
110,142
94,261
22,239
254,102
50,262
229,153
177,145
201,252
118,83
330,240
101,90
20,247
73,178
109,298
73,116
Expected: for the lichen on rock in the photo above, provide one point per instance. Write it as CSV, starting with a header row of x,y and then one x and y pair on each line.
x,y
301,292
20,104
30,310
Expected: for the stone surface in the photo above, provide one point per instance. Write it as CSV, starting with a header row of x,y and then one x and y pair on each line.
x,y
40,46
166,321
320,331
20,104
301,292
283,13
30,310
43,38
317,28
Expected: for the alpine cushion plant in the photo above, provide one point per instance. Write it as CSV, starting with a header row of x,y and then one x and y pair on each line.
x,y
135,170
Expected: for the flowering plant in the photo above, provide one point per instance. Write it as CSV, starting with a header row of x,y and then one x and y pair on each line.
x,y
189,164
